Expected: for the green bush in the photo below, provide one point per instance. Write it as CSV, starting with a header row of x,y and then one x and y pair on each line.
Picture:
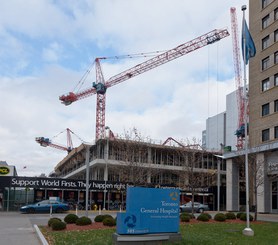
x,y
107,216
109,221
70,218
243,217
203,217
83,221
209,216
185,218
50,221
99,218
220,217
230,215
238,215
58,225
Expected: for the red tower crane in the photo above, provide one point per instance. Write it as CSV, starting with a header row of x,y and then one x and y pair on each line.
x,y
100,86
47,142
240,133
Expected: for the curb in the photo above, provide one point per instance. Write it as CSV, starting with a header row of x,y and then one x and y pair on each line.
x,y
40,235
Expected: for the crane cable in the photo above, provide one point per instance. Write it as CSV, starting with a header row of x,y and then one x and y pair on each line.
x,y
81,82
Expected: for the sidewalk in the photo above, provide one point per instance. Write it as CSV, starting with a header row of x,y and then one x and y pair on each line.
x,y
17,229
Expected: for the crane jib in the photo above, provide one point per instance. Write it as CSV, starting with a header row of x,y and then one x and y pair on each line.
x,y
100,86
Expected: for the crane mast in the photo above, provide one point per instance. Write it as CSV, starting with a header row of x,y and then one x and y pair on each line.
x,y
100,86
239,88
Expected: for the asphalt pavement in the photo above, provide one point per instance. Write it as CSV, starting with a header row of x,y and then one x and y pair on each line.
x,y
20,229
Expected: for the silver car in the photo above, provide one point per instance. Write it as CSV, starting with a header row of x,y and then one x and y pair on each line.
x,y
197,207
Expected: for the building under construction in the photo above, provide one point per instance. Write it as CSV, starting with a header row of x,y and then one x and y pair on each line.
x,y
134,162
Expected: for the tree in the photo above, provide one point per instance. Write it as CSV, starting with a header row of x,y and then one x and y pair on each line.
x,y
194,175
131,151
259,171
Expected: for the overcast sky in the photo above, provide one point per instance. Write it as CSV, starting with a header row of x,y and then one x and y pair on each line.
x,y
47,46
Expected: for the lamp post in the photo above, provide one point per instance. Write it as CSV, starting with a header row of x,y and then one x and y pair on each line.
x,y
87,161
106,169
218,181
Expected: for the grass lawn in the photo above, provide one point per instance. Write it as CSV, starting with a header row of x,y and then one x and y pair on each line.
x,y
192,234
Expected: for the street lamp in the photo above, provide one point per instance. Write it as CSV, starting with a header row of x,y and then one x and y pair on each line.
x,y
218,181
106,169
87,161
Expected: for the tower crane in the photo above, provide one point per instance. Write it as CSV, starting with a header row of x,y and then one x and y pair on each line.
x,y
47,142
100,86
240,132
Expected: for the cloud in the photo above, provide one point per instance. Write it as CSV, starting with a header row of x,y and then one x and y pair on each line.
x,y
47,47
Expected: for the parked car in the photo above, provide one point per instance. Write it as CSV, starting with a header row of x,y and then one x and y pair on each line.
x,y
197,207
44,206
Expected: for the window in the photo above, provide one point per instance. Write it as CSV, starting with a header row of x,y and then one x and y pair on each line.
x,y
265,3
265,42
275,35
276,132
265,84
265,22
276,14
276,57
276,79
265,109
275,105
265,63
265,135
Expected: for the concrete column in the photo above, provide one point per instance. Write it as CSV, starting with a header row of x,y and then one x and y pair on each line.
x,y
149,155
263,190
232,199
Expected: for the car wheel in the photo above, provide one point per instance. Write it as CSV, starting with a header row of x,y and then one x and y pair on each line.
x,y
31,211
201,210
59,210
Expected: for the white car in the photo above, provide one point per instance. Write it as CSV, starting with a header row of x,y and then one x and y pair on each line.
x,y
197,207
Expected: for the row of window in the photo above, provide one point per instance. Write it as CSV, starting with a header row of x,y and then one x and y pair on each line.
x,y
266,134
266,61
265,3
266,19
266,83
266,41
266,108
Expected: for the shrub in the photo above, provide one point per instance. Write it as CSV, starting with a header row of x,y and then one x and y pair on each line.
x,y
184,214
203,217
107,216
238,215
243,217
109,221
230,215
185,218
50,221
70,218
83,221
58,225
99,218
220,217
207,214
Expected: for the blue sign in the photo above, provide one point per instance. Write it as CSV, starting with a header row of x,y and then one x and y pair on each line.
x,y
149,210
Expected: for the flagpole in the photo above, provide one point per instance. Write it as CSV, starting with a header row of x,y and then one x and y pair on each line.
x,y
247,231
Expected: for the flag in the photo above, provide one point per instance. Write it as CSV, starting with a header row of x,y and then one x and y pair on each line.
x,y
250,49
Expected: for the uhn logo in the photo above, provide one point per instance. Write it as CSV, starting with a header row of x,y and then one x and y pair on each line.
x,y
130,221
